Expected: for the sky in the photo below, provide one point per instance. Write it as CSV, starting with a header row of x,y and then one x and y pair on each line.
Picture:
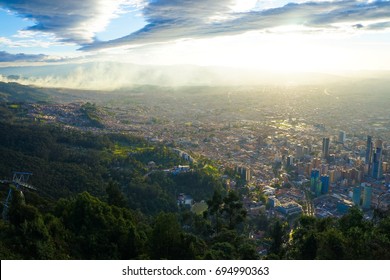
x,y
278,36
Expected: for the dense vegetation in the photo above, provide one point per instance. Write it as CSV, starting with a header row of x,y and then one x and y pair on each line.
x,y
107,196
99,197
350,237
66,162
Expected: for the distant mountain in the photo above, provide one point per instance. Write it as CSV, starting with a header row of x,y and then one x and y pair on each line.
x,y
14,92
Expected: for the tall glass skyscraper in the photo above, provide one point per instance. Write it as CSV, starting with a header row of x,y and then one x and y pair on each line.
x,y
356,195
324,184
325,147
342,136
377,163
369,152
315,182
367,193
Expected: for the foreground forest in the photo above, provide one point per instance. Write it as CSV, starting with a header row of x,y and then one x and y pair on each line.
x,y
99,197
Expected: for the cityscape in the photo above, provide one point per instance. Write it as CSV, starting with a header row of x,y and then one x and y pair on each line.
x,y
272,142
195,130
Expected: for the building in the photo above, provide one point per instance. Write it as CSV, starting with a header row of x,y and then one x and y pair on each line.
x,y
357,191
299,151
244,172
324,184
377,161
343,206
356,175
342,137
324,169
290,208
180,169
184,200
273,201
315,182
325,147
290,161
367,194
385,167
368,158
331,176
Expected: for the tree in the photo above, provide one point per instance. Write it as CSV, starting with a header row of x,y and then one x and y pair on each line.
x,y
166,239
115,196
98,230
277,233
214,209
331,245
233,210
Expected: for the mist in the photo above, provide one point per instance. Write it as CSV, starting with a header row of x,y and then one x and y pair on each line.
x,y
113,76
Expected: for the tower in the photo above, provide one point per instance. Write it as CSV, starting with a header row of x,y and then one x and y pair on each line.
x,y
342,137
315,180
19,180
324,184
356,195
290,161
369,153
367,193
299,151
377,163
244,172
325,147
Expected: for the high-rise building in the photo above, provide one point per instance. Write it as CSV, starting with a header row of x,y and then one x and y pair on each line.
x,y
377,161
317,163
385,167
356,195
369,150
324,169
324,184
299,151
355,175
244,172
315,182
290,161
325,147
342,137
331,176
367,193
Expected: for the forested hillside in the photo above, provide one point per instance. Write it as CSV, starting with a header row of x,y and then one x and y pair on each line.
x,y
112,196
98,198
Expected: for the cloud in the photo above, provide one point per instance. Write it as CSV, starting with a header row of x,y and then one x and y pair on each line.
x,y
78,21
170,20
21,57
7,58
70,20
379,25
30,39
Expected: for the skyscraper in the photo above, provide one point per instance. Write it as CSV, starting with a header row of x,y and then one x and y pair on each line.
x,y
324,184
342,136
290,161
245,172
368,149
325,147
315,183
299,151
377,161
367,193
356,195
